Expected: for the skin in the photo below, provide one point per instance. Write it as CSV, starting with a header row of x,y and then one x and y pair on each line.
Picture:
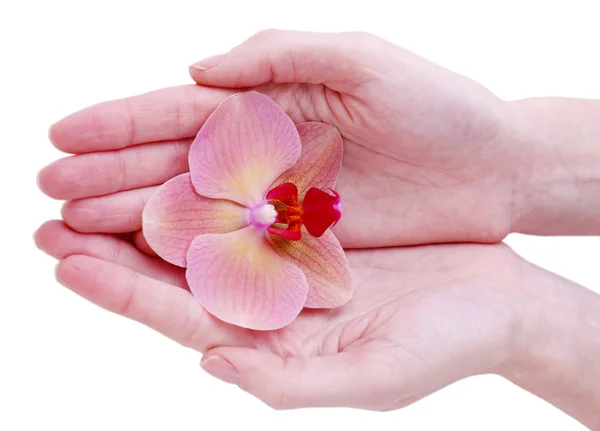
x,y
430,157
400,153
421,318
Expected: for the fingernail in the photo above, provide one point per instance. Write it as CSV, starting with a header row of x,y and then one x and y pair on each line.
x,y
220,368
208,63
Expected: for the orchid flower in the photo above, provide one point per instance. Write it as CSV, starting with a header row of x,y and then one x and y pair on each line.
x,y
251,219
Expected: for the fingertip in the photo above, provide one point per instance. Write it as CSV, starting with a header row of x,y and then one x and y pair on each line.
x,y
198,69
200,75
64,133
57,239
229,71
74,214
142,245
43,178
54,179
194,73
208,63
54,133
69,270
46,234
56,271
66,210
260,373
252,364
59,271
221,368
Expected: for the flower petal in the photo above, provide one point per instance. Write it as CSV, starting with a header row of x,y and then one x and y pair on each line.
x,y
324,263
320,211
175,214
240,279
245,144
321,159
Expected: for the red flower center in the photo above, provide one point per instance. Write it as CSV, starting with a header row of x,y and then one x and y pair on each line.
x,y
317,212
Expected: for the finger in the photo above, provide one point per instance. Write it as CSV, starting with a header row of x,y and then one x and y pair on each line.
x,y
168,114
341,379
114,213
97,174
59,241
171,311
142,245
341,61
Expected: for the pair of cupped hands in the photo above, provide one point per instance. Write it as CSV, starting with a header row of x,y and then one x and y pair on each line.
x,y
430,187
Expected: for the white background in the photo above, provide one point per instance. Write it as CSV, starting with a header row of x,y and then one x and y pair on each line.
x,y
65,364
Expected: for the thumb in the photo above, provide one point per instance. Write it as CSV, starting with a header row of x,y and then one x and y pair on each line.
x,y
341,61
339,380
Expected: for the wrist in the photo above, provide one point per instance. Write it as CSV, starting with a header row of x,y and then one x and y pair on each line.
x,y
557,350
557,180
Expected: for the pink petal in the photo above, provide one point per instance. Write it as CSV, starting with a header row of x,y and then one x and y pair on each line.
x,y
321,159
324,263
240,279
175,214
245,144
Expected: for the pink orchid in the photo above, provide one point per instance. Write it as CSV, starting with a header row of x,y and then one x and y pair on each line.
x,y
250,221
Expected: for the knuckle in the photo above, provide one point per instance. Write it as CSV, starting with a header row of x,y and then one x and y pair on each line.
x,y
117,252
119,173
181,152
193,333
79,213
69,212
127,305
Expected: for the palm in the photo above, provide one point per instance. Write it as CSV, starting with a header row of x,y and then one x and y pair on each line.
x,y
433,296
413,326
414,309
409,175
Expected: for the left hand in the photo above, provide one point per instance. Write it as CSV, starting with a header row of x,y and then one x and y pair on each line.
x,y
421,318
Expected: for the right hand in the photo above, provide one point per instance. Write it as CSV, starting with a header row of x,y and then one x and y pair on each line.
x,y
427,152
427,158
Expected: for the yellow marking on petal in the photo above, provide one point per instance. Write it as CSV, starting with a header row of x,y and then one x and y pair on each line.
x,y
248,245
244,184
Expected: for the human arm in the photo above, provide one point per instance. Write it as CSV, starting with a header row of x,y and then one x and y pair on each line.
x,y
560,359
430,156
558,190
543,152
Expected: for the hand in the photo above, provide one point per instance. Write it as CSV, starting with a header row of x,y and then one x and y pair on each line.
x,y
421,319
426,153
437,162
